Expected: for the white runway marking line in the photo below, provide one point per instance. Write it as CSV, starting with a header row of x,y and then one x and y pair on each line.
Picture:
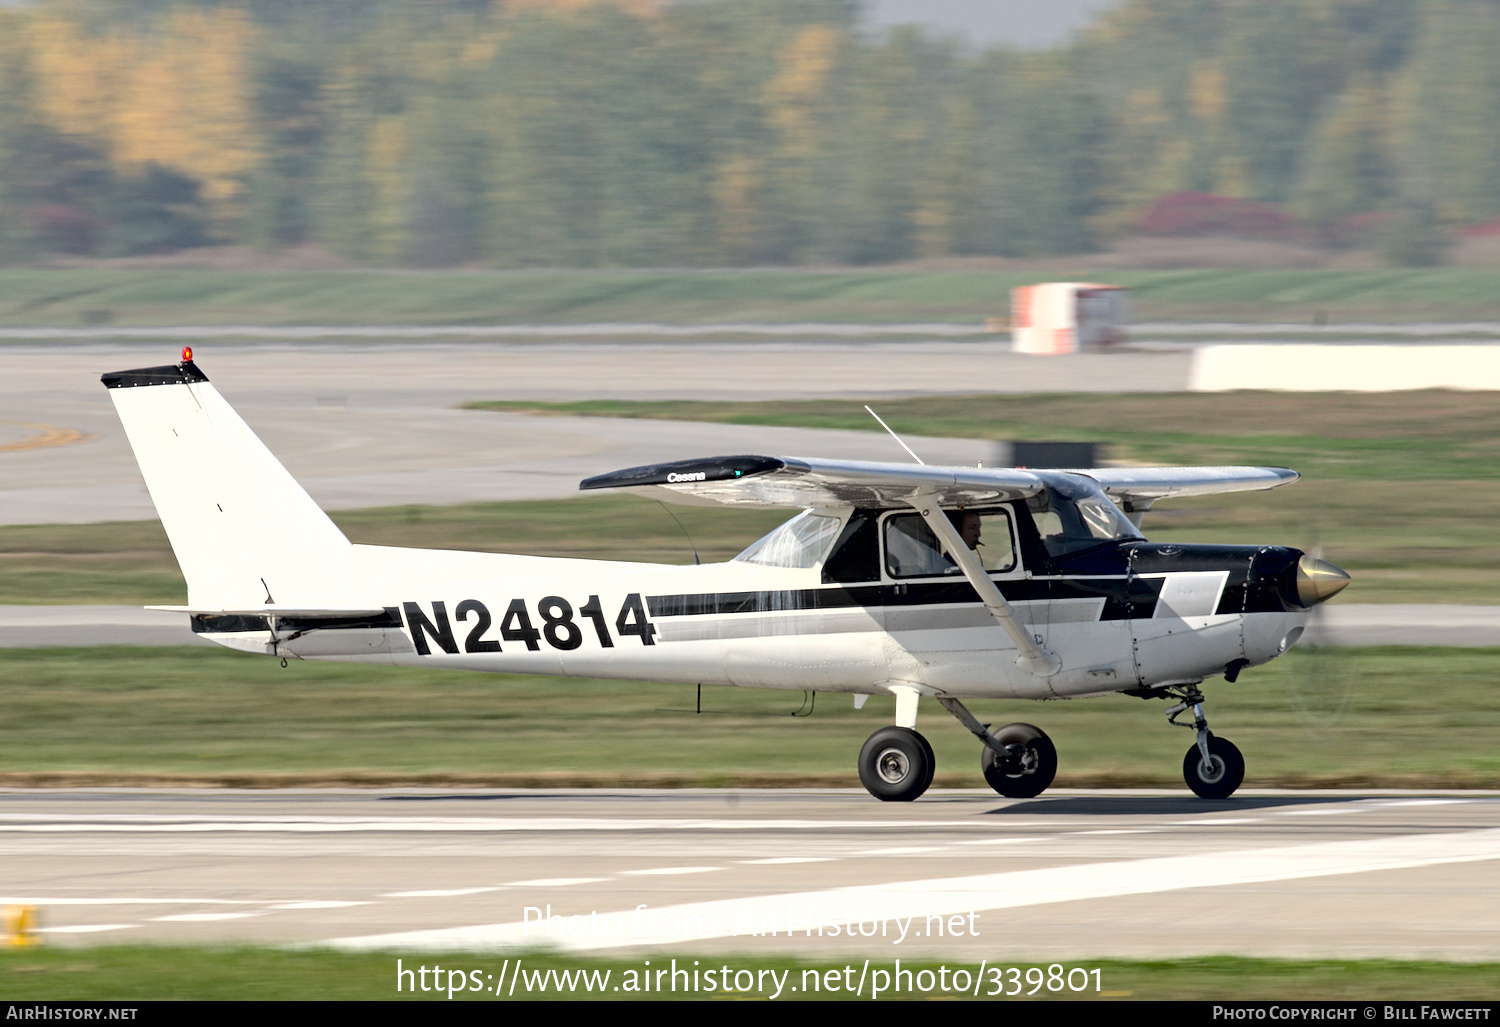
x,y
540,882
8,900
668,871
783,860
554,882
291,904
935,897
1214,822
62,823
85,928
193,918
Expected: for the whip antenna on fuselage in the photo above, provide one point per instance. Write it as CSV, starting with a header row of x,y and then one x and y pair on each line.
x,y
691,544
894,435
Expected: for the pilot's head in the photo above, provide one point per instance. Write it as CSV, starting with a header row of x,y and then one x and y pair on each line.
x,y
968,525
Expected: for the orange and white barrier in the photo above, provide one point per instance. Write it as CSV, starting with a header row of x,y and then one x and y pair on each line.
x,y
1065,317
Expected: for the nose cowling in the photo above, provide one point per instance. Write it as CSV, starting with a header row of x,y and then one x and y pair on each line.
x,y
1318,580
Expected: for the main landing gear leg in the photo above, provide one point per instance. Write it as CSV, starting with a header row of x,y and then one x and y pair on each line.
x,y
1213,767
1018,761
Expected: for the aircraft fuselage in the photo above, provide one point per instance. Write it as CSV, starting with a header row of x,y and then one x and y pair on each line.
x,y
1125,615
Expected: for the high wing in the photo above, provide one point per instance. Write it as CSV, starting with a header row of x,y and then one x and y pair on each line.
x,y
1136,488
798,482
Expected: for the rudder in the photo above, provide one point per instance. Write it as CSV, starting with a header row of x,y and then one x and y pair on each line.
x,y
245,533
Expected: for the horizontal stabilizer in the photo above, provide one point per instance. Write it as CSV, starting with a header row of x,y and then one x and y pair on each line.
x,y
301,631
271,610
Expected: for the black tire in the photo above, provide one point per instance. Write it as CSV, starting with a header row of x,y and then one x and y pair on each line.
x,y
896,764
1038,765
931,761
1225,774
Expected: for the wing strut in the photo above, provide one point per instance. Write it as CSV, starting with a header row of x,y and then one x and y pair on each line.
x,y
1034,658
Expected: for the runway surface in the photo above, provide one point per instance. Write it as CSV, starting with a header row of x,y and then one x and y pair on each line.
x,y
1072,875
377,425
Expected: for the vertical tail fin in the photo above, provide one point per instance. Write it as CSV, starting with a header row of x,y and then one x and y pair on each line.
x,y
244,532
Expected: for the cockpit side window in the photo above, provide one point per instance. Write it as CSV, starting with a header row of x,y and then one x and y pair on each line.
x,y
912,551
856,555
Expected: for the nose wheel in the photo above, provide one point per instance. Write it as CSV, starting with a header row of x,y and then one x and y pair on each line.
x,y
1217,775
1213,768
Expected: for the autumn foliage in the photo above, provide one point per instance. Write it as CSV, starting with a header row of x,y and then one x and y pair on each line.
x,y
519,133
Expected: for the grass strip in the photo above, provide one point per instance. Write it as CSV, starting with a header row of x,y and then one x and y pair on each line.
x,y
138,972
1392,717
102,296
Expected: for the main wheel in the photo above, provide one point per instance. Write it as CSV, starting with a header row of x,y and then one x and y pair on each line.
x,y
1223,773
1027,774
896,764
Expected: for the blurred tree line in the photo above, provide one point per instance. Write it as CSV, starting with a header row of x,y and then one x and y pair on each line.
x,y
690,132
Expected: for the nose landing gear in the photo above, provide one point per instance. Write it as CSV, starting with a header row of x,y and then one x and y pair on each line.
x,y
1213,768
1216,775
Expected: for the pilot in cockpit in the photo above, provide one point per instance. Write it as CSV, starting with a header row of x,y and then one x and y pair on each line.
x,y
969,527
913,550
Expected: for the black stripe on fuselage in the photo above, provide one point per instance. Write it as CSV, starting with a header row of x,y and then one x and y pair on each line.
x,y
1124,598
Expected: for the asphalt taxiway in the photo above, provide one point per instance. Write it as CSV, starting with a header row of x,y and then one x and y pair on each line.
x,y
959,874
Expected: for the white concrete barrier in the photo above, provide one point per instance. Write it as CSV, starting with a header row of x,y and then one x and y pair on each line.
x,y
1335,368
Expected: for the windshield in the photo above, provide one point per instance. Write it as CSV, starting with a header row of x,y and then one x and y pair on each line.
x,y
801,542
1075,514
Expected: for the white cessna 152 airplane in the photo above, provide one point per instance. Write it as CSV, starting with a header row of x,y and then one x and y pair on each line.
x,y
945,582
